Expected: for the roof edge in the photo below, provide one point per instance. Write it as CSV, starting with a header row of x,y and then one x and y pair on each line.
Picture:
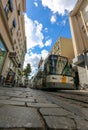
x,y
75,9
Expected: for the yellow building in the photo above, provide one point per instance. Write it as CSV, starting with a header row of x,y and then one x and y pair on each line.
x,y
12,36
79,28
63,47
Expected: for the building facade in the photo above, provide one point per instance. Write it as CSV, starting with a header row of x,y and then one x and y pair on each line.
x,y
79,28
62,46
12,37
40,62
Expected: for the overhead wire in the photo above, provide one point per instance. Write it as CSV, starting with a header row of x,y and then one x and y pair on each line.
x,y
61,30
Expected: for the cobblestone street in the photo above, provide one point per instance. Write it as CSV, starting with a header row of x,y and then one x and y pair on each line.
x,y
43,65
29,109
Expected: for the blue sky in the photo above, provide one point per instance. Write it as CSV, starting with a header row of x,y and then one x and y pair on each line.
x,y
45,22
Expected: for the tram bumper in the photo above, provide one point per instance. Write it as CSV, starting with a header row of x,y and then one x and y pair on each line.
x,y
56,85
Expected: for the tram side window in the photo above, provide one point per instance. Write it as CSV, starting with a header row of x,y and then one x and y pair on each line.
x,y
40,74
49,67
52,66
46,69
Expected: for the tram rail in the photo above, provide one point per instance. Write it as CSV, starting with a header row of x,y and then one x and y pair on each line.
x,y
72,98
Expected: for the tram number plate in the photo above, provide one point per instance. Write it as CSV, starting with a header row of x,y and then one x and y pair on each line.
x,y
63,80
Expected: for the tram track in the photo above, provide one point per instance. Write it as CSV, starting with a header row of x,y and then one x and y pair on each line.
x,y
76,107
71,98
74,92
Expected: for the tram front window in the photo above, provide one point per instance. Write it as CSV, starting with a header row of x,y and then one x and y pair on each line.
x,y
61,63
52,64
67,70
58,65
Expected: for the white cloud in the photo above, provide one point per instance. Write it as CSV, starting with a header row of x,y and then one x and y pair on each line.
x,y
48,42
34,58
64,22
44,53
36,4
33,30
34,34
59,6
53,19
46,29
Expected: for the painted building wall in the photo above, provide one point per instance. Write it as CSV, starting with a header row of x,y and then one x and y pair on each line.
x,y
61,48
12,32
79,28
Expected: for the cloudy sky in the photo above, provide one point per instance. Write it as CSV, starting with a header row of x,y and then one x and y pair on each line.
x,y
45,22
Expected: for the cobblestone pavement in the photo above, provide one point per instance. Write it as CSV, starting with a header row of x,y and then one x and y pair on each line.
x,y
28,109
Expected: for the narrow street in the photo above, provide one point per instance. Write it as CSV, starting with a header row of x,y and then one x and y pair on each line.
x,y
30,109
43,45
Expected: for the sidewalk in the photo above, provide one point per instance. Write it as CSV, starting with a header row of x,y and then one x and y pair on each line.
x,y
27,109
14,113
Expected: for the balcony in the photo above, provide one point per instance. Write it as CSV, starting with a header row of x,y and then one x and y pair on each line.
x,y
79,59
12,54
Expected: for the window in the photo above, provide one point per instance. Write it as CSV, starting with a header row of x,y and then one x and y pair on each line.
x,y
19,9
6,9
14,23
11,31
16,47
13,48
17,33
10,5
14,41
18,12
